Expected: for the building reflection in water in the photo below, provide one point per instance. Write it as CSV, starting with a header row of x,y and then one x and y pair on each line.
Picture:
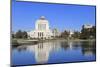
x,y
42,50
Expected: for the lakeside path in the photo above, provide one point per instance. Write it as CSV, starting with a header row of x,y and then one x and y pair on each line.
x,y
34,41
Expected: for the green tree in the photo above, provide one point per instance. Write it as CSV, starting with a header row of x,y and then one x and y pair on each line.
x,y
12,35
19,34
87,33
76,34
93,32
24,34
65,34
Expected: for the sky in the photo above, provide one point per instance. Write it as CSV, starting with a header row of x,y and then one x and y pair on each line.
x,y
60,16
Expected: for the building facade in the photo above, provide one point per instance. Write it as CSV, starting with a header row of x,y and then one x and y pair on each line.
x,y
41,29
87,26
55,32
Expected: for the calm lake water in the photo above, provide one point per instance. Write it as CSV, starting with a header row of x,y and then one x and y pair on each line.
x,y
54,52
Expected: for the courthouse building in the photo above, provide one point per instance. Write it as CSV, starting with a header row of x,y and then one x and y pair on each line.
x,y
41,30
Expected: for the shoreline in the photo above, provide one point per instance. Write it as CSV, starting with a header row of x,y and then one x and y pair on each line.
x,y
34,41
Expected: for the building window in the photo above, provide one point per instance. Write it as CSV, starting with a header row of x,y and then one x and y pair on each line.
x,y
41,26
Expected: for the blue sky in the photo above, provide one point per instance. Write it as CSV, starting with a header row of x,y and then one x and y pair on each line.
x,y
24,15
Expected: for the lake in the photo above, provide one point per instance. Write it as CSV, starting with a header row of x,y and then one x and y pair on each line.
x,y
54,52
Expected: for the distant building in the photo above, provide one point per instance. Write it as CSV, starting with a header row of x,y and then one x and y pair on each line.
x,y
87,26
55,32
71,33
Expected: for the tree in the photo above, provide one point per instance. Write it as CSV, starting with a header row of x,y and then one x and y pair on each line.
x,y
93,32
87,33
76,34
65,34
24,34
12,35
19,34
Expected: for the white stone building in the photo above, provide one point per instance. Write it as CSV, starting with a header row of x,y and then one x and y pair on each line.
x,y
41,29
87,26
55,32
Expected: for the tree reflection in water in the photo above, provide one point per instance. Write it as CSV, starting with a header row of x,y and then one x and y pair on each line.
x,y
88,48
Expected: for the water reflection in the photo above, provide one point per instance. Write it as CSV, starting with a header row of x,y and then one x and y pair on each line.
x,y
88,48
42,51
